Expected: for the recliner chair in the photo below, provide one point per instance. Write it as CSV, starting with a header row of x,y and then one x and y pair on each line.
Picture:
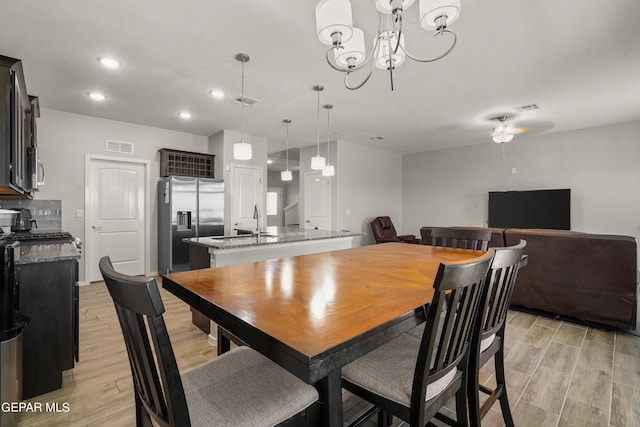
x,y
384,231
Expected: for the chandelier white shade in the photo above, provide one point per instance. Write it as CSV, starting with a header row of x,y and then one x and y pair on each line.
x,y
431,10
352,52
385,58
347,54
387,6
317,161
333,17
242,150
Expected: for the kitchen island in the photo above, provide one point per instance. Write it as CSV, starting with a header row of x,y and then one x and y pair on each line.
x,y
274,242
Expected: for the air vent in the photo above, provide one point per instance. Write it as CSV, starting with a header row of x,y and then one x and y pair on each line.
x,y
376,138
524,108
119,147
247,101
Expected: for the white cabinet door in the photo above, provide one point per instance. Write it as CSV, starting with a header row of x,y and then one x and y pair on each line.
x,y
116,216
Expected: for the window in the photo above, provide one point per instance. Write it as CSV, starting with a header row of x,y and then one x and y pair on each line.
x,y
272,203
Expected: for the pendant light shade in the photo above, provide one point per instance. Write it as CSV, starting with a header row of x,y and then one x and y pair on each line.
x,y
317,161
328,169
242,150
286,175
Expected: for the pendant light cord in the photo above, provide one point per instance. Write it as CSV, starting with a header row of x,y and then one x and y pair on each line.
x,y
287,145
318,122
328,111
242,107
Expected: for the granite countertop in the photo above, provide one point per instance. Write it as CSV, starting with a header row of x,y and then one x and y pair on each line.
x,y
271,236
29,253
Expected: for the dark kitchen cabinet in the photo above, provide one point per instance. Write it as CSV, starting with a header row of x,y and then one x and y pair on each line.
x,y
17,125
48,295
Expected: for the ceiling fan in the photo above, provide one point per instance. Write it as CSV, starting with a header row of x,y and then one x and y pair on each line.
x,y
504,132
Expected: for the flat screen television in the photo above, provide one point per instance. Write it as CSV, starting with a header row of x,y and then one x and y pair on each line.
x,y
550,209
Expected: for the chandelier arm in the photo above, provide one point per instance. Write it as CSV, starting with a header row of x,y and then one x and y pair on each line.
x,y
371,60
435,58
398,33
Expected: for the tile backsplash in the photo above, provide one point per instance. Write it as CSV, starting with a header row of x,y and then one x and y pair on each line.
x,y
47,213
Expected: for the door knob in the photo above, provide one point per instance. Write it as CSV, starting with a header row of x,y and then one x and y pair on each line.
x,y
97,228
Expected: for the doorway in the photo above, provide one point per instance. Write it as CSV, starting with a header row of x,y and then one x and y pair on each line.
x,y
117,215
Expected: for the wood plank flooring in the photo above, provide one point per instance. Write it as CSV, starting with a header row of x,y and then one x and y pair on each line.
x,y
558,373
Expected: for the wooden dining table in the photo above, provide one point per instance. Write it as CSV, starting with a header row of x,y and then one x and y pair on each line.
x,y
313,314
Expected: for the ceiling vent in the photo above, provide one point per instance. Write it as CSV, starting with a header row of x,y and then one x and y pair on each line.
x,y
247,101
524,108
119,147
376,138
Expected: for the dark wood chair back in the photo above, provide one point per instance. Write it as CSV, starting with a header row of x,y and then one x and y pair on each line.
x,y
489,329
460,238
157,384
500,283
450,321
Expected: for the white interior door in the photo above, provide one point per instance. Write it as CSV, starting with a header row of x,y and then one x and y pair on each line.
x,y
116,216
317,201
247,191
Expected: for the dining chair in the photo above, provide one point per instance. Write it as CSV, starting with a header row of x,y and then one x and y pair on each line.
x,y
239,388
487,339
412,378
464,238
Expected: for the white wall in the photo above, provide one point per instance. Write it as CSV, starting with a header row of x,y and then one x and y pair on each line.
x,y
600,165
368,185
63,141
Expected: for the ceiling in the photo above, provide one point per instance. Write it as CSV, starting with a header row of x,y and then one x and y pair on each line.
x,y
579,62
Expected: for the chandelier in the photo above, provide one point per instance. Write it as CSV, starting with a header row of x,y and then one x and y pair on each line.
x,y
347,52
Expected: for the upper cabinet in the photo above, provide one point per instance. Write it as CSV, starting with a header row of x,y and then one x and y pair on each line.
x,y
18,113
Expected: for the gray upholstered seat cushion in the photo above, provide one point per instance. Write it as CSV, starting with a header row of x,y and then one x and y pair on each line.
x,y
388,371
244,388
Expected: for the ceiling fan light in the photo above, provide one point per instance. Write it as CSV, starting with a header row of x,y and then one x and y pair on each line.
x,y
333,16
242,151
318,162
431,10
385,6
352,49
286,175
388,42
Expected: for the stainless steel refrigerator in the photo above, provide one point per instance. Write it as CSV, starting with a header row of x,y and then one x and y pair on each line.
x,y
187,207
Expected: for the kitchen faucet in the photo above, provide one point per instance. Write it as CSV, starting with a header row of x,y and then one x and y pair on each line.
x,y
256,216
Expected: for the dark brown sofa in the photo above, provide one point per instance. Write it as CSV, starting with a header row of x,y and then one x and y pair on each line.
x,y
592,277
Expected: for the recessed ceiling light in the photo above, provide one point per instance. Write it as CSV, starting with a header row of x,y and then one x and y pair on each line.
x,y
109,62
185,115
217,93
269,161
97,96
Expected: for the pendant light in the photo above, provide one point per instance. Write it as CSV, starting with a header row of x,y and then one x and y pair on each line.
x,y
286,175
317,161
328,170
242,150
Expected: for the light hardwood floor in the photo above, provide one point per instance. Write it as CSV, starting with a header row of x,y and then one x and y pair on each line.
x,y
558,373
